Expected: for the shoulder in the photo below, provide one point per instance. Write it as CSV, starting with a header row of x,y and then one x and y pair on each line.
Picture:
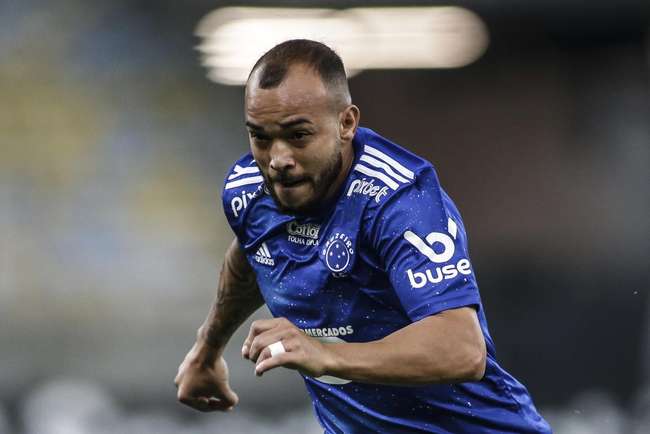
x,y
242,184
385,171
242,173
399,189
248,206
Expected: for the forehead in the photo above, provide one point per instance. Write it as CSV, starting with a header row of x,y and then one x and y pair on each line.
x,y
302,92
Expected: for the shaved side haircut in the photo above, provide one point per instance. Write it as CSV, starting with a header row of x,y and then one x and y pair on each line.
x,y
273,66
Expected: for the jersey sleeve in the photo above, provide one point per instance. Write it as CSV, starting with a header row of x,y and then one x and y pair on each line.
x,y
242,185
421,242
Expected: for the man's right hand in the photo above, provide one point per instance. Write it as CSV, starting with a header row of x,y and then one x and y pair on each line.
x,y
202,381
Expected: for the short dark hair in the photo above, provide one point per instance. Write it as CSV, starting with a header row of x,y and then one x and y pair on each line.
x,y
275,63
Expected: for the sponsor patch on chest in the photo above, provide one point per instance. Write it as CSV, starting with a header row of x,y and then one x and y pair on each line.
x,y
304,234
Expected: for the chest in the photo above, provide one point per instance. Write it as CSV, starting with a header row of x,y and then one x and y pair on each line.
x,y
313,272
322,274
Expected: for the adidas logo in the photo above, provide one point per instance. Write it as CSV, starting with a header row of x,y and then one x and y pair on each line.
x,y
263,256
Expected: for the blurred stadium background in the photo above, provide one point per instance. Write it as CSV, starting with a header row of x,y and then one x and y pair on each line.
x,y
113,146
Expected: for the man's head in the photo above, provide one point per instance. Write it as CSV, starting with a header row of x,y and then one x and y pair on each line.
x,y
301,123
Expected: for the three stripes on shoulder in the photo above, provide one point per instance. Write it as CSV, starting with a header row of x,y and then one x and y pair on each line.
x,y
392,173
389,166
243,176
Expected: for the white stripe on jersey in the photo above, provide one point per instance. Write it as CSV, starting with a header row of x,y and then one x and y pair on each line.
x,y
244,181
397,166
374,162
385,179
239,171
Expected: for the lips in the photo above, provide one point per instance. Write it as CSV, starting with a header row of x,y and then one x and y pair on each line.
x,y
291,183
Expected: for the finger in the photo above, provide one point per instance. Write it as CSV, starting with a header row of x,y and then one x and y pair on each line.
x,y
206,405
262,341
269,363
194,403
209,399
214,404
228,396
255,329
258,327
178,378
264,354
200,397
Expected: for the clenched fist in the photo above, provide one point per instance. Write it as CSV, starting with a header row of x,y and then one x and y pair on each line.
x,y
202,381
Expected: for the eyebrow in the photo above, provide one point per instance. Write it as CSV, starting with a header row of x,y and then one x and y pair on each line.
x,y
252,126
286,124
294,122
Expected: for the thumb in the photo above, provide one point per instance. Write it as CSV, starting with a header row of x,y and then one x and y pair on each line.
x,y
222,391
225,400
229,395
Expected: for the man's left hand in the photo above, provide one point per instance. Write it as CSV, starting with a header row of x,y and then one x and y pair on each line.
x,y
303,353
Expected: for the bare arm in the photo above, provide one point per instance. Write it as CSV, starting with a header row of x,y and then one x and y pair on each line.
x,y
202,378
238,296
445,348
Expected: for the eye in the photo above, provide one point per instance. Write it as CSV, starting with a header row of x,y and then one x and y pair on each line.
x,y
257,136
299,135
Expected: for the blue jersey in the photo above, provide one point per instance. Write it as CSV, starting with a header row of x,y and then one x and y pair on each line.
x,y
391,251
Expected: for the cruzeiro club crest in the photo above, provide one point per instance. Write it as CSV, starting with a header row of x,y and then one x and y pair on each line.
x,y
338,254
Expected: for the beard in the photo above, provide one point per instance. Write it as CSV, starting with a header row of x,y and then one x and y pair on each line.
x,y
320,183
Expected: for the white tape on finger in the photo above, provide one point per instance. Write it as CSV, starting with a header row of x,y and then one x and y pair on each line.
x,y
276,348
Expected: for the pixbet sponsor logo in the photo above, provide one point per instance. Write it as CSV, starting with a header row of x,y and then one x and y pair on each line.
x,y
305,234
239,203
445,247
367,188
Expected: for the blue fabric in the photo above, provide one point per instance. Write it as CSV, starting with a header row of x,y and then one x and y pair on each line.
x,y
391,250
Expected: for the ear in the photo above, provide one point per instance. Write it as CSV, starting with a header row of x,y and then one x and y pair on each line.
x,y
348,122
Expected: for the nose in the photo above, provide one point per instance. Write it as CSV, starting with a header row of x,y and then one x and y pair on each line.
x,y
281,157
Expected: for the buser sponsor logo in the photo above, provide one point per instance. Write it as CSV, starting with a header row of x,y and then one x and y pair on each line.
x,y
368,188
420,278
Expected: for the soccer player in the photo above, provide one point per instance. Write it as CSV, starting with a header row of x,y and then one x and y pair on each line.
x,y
362,259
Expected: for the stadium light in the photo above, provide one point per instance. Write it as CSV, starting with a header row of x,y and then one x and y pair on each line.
x,y
233,38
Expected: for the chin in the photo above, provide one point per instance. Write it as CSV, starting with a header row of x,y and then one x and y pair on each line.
x,y
303,200
297,206
295,198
